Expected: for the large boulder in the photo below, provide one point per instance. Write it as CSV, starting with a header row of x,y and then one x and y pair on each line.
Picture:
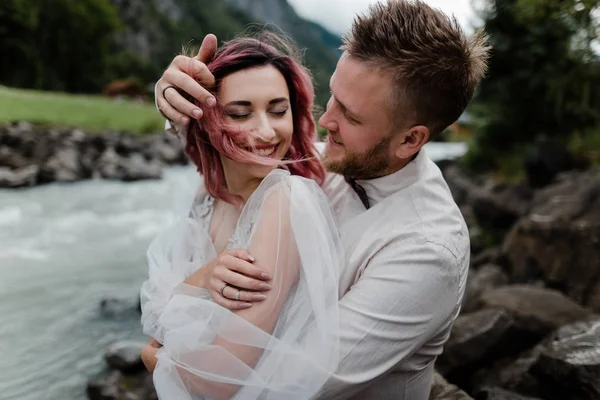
x,y
125,357
559,240
117,386
569,365
536,311
475,339
480,281
442,390
496,393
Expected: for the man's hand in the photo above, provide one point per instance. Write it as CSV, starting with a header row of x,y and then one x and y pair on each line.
x,y
234,268
149,354
184,73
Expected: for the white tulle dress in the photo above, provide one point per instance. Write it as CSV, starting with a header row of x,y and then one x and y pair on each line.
x,y
284,347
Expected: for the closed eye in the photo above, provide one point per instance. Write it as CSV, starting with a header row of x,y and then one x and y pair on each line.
x,y
238,116
280,113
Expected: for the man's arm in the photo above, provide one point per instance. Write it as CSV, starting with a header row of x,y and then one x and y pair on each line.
x,y
407,294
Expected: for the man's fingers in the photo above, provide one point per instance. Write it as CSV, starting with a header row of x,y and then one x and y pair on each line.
x,y
186,84
179,103
194,68
169,112
208,48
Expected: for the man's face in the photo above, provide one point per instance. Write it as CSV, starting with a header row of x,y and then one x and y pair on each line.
x,y
358,121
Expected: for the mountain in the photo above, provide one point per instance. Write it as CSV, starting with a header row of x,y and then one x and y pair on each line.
x,y
154,31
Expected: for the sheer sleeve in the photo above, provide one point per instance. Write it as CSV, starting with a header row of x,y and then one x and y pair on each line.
x,y
283,347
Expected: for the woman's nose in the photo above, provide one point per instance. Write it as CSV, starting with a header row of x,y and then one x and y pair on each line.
x,y
265,130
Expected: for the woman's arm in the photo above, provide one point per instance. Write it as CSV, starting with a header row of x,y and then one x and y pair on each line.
x,y
274,249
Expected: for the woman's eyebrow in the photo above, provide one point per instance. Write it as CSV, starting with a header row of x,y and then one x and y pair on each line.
x,y
239,103
278,100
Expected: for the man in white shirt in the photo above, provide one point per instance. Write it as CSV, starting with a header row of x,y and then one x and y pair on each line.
x,y
406,73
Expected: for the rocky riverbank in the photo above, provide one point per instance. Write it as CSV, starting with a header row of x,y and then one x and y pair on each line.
x,y
530,323
32,155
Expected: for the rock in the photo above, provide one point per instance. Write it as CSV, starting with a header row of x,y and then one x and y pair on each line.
x,y
111,307
26,176
510,374
116,386
491,255
559,241
125,357
501,394
460,185
498,207
12,159
113,166
474,338
62,166
137,168
480,281
442,390
569,365
537,311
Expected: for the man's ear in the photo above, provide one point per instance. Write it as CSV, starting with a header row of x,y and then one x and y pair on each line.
x,y
411,141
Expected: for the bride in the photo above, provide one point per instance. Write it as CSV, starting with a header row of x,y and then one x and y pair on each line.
x,y
260,193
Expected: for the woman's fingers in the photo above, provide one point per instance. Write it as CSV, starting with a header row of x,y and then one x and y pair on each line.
x,y
228,303
242,263
241,281
231,293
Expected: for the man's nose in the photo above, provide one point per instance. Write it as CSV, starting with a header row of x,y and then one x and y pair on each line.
x,y
327,121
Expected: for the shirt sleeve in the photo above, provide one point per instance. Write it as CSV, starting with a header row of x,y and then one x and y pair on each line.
x,y
406,295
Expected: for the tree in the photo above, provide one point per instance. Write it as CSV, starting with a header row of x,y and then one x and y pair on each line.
x,y
544,77
56,44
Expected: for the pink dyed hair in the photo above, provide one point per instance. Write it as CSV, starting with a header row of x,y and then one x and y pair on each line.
x,y
208,137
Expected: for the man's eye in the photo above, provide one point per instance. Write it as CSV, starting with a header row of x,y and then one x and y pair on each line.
x,y
238,116
351,120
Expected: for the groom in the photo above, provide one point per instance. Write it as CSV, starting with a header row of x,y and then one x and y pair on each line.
x,y
406,73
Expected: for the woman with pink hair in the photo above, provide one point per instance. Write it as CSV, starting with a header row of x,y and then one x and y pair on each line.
x,y
261,192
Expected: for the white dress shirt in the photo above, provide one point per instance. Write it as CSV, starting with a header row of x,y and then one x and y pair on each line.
x,y
400,291
402,286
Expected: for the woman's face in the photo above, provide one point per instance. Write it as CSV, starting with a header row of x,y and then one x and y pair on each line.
x,y
257,100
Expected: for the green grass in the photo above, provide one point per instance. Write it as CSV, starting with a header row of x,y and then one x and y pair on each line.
x,y
90,113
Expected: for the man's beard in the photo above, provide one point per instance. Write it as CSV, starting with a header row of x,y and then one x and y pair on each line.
x,y
373,163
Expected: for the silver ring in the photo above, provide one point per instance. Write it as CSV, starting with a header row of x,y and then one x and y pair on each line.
x,y
237,295
165,89
223,288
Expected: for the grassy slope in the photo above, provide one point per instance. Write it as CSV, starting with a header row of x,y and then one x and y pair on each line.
x,y
91,113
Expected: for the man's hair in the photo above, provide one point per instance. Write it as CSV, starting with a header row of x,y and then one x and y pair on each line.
x,y
434,67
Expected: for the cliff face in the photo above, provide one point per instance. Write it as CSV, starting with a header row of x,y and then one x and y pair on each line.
x,y
154,31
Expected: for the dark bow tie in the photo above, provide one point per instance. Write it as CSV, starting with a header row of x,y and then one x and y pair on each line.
x,y
360,191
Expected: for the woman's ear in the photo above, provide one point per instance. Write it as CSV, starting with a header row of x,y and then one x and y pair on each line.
x,y
411,141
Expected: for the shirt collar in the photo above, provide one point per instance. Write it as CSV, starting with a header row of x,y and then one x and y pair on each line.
x,y
380,188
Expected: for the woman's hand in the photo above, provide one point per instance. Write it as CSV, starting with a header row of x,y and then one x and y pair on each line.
x,y
183,75
149,354
233,268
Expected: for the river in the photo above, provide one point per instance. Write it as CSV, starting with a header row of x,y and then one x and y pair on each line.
x,y
63,249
